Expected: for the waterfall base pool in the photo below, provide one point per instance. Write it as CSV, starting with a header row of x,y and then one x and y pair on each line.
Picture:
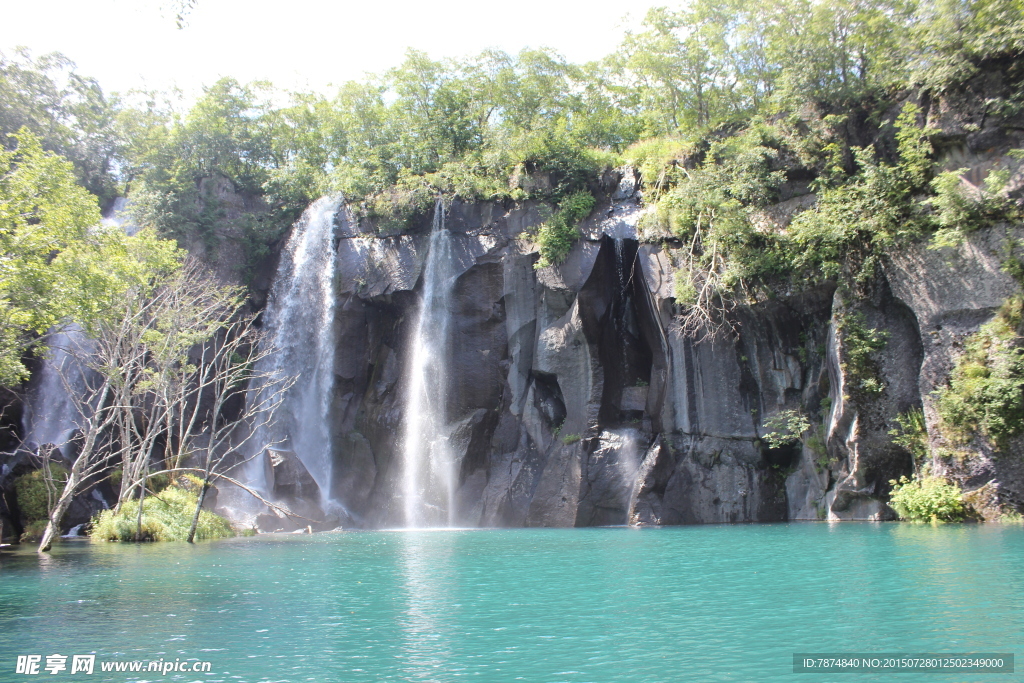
x,y
704,603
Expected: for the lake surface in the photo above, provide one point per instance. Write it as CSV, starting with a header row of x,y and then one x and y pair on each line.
x,y
701,603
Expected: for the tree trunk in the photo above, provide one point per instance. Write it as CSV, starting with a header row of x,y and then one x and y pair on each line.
x,y
195,515
138,517
57,513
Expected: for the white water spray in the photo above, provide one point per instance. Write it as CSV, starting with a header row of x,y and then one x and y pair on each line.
x,y
53,409
639,479
299,318
429,470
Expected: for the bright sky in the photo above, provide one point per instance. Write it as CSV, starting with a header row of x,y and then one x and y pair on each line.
x,y
300,43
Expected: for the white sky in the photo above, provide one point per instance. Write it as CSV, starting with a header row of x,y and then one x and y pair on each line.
x,y
300,44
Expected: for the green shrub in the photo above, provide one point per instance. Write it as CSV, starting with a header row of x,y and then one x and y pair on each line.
x,y
986,388
554,152
34,496
165,517
857,219
926,500
784,428
33,532
158,482
557,235
960,210
396,207
957,213
859,343
911,434
683,289
570,439
736,173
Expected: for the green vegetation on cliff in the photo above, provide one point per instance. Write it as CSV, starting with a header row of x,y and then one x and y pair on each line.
x,y
985,395
557,235
723,104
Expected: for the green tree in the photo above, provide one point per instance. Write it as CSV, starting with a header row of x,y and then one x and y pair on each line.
x,y
955,38
43,212
68,112
678,66
839,51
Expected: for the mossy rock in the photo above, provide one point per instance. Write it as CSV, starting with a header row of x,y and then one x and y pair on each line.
x,y
34,498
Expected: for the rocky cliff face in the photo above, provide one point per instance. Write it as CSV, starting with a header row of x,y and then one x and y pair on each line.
x,y
577,400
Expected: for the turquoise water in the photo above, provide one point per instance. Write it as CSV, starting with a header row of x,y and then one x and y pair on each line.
x,y
703,603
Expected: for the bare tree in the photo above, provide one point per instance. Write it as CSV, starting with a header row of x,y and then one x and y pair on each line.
x,y
230,419
116,357
170,375
705,303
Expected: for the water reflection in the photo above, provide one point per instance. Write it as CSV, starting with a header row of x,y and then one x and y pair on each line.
x,y
428,582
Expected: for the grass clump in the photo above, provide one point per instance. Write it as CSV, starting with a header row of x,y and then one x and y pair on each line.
x,y
570,439
932,499
166,516
657,159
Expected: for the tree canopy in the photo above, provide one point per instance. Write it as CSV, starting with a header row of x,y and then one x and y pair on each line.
x,y
59,263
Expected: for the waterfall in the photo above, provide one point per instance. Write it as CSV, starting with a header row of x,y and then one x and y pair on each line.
x,y
299,319
120,218
52,408
627,462
429,470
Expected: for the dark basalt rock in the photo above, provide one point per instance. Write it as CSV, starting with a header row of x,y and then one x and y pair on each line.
x,y
552,367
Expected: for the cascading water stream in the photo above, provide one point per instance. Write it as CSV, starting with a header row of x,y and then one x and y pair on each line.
x,y
638,479
53,409
299,318
429,470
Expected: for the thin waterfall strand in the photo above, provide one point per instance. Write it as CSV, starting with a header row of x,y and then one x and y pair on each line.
x,y
429,474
